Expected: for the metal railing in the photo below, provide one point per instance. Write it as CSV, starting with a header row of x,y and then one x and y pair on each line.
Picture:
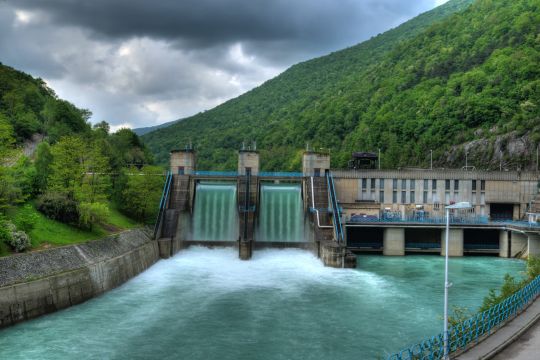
x,y
163,201
215,173
335,208
441,220
280,174
473,329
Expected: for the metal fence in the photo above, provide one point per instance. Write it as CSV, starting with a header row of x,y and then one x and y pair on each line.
x,y
472,330
439,220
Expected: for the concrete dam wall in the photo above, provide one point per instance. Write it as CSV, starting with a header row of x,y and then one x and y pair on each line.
x,y
42,282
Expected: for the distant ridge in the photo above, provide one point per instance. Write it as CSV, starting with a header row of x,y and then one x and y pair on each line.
x,y
146,130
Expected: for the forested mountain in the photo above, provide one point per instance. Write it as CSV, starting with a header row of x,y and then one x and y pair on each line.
x,y
447,77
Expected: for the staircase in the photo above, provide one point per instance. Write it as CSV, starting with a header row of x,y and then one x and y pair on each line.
x,y
178,201
320,199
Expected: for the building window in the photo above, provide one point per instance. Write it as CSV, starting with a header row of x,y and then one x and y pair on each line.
x,y
412,184
381,183
433,184
434,198
181,170
394,197
373,183
456,196
364,183
394,184
456,184
403,184
413,200
317,172
474,198
403,197
381,196
447,197
426,184
474,185
483,185
483,198
425,197
248,170
446,184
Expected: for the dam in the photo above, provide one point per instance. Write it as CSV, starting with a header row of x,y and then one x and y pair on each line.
x,y
336,214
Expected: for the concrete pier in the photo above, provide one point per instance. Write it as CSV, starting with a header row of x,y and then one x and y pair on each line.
x,y
504,244
394,241
455,242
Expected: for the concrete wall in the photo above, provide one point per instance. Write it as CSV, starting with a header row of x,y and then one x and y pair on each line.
x,y
185,159
534,244
455,242
248,159
503,243
518,244
394,241
38,283
313,160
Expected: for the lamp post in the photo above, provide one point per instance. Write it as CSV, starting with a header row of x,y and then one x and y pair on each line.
x,y
460,205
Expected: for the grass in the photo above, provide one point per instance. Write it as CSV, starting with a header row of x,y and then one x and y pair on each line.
x,y
48,233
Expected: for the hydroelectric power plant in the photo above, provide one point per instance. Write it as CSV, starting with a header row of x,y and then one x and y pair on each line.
x,y
335,214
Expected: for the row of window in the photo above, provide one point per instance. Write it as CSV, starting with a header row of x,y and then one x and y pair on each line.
x,y
412,184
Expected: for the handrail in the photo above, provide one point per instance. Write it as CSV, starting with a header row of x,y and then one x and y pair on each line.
x,y
473,329
162,202
315,209
215,173
280,174
335,208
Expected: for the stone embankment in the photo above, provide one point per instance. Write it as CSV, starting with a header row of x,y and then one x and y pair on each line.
x,y
38,283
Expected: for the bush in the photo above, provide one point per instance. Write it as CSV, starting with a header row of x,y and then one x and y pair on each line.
x,y
18,240
59,207
93,213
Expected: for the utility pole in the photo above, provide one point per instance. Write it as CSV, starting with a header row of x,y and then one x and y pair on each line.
x,y
537,157
380,158
431,159
466,160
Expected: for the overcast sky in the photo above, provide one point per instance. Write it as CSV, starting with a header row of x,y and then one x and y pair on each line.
x,y
139,63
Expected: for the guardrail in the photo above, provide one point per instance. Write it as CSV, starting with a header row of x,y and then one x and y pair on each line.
x,y
280,174
163,201
472,330
215,173
479,220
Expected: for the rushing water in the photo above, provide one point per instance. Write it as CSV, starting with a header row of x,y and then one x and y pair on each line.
x,y
283,304
281,215
216,215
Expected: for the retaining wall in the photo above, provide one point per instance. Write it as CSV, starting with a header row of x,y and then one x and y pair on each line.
x,y
42,282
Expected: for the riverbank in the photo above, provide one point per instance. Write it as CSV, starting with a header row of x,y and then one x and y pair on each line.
x,y
41,282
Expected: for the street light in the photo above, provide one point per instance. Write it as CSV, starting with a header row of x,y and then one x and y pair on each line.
x,y
459,205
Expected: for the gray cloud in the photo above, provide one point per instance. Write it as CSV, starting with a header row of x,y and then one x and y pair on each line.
x,y
139,63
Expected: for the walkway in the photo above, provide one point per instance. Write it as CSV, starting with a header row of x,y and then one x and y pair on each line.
x,y
524,330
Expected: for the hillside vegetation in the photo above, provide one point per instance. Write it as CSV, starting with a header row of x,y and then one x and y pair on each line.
x,y
444,78
76,175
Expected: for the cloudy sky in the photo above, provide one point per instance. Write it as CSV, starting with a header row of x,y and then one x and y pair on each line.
x,y
139,63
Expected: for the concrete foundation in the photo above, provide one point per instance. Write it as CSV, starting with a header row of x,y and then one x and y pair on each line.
x,y
518,245
504,244
394,242
455,242
335,255
245,249
534,244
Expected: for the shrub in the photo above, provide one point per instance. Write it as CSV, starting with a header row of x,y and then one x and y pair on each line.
x,y
18,240
59,207
93,213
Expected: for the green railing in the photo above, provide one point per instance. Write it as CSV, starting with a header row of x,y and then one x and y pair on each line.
x,y
472,330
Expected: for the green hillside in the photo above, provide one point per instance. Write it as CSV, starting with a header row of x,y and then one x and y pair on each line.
x,y
430,83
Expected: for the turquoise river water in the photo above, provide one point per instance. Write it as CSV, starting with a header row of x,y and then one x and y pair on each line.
x,y
283,304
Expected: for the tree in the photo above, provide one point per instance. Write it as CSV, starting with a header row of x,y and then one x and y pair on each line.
x,y
142,191
42,164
